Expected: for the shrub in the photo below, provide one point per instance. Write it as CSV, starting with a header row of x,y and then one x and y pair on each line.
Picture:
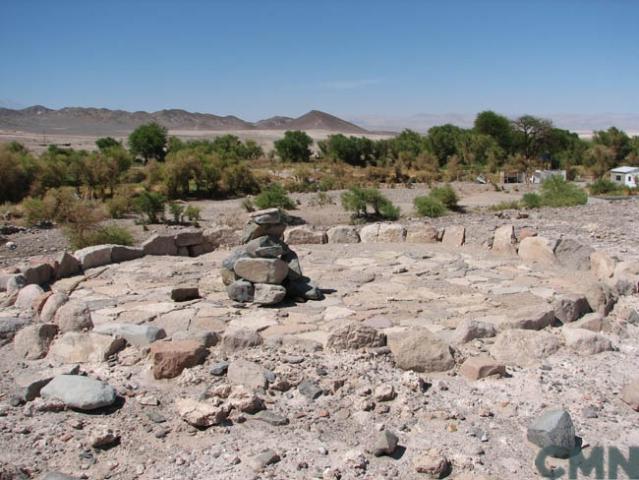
x,y
531,200
151,204
505,205
274,196
177,210
148,141
122,202
239,180
294,147
35,211
388,211
192,213
603,186
111,234
557,192
357,200
446,195
428,206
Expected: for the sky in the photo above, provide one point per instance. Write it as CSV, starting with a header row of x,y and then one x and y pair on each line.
x,y
353,58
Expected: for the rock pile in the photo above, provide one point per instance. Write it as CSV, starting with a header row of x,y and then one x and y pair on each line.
x,y
265,270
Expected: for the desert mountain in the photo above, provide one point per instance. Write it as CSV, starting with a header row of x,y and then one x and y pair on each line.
x,y
102,121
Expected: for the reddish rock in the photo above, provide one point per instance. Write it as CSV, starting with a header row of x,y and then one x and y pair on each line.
x,y
170,358
482,366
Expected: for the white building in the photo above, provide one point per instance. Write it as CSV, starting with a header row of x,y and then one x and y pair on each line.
x,y
628,176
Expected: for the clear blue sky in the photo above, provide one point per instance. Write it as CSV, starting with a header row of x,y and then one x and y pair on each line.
x,y
259,58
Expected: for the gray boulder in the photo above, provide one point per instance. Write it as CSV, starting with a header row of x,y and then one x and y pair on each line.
x,y
32,342
95,256
28,296
121,253
355,335
421,351
554,431
73,316
573,255
267,294
571,307
241,291
79,392
160,245
262,270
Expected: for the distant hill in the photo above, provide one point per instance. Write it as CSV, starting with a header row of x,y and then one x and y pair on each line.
x,y
102,121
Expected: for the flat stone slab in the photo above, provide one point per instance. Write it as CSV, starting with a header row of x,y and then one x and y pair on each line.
x,y
83,393
133,334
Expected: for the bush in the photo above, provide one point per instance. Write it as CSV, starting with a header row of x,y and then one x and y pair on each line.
x,y
274,196
557,192
239,180
446,195
110,234
531,200
428,206
192,213
604,186
148,141
294,147
505,205
177,211
357,200
122,202
151,204
35,211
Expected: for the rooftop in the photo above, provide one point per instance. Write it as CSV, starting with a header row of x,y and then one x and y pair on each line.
x,y
625,169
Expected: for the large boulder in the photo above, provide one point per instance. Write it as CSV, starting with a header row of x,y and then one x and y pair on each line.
x,y
343,234
267,294
264,247
391,233
421,233
38,272
421,351
160,245
78,347
304,234
482,366
571,307
171,358
353,336
524,347
139,335
189,238
469,330
95,256
28,296
573,255
303,288
121,253
454,236
504,240
241,291
586,342
32,342
51,306
67,265
9,326
82,393
73,316
538,250
553,431
261,270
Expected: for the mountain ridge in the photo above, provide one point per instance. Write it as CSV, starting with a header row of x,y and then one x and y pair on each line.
x,y
104,121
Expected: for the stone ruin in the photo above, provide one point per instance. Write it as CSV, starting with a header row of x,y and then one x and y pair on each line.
x,y
265,270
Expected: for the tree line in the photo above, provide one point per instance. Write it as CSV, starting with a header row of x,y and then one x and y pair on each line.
x,y
226,166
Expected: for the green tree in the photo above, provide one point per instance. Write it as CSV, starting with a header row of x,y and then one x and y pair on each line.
x,y
496,126
443,141
149,141
105,143
617,140
531,135
294,147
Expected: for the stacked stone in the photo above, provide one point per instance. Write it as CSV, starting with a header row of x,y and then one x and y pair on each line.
x,y
264,270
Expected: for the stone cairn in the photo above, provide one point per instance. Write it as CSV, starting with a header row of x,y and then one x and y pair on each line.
x,y
264,270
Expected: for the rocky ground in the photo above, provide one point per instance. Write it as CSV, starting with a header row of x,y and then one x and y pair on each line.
x,y
451,351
